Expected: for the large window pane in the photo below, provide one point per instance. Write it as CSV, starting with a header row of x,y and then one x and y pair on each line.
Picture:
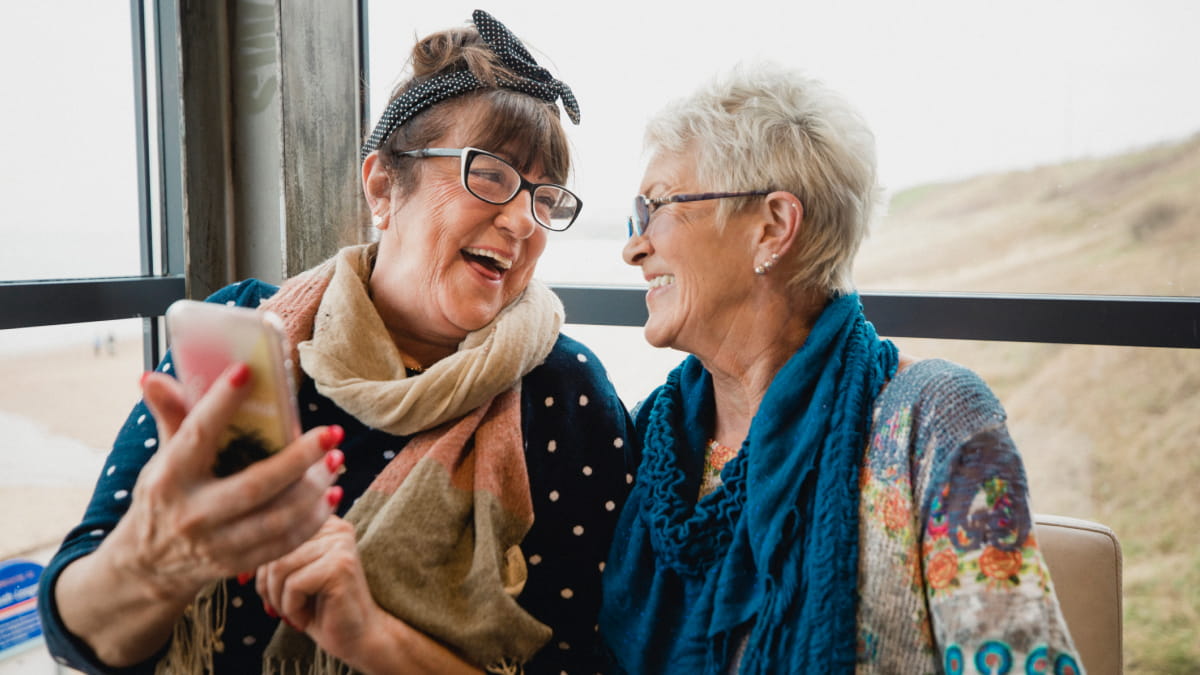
x,y
953,91
68,174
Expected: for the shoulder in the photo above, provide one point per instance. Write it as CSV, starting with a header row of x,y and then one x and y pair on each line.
x,y
571,354
943,392
933,412
572,385
247,293
571,363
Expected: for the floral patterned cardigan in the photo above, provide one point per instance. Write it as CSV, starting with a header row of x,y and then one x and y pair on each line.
x,y
950,575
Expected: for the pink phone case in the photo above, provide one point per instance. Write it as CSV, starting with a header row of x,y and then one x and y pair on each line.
x,y
205,339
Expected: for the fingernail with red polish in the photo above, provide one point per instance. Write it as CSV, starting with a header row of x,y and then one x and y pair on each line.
x,y
270,611
142,381
240,374
334,459
332,436
334,495
244,578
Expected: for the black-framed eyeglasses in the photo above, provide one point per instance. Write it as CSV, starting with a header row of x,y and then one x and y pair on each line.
x,y
644,207
495,181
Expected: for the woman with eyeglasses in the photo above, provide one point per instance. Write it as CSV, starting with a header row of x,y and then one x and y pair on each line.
x,y
807,499
443,410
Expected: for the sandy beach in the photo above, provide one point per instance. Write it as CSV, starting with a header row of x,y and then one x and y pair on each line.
x,y
60,410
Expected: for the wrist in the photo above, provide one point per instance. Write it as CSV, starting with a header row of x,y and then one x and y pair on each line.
x,y
381,647
155,581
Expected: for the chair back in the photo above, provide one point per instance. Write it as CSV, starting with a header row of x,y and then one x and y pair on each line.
x,y
1085,566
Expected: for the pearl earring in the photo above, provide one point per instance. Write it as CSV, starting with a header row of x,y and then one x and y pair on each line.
x,y
766,267
376,220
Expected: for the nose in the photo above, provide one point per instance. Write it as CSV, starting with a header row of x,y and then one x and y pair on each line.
x,y
636,249
516,217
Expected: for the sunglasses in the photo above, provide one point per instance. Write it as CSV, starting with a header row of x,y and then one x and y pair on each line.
x,y
644,207
495,181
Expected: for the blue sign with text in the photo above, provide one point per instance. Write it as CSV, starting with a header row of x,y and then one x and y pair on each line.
x,y
20,626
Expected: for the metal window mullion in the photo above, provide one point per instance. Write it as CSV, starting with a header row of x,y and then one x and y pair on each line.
x,y
141,105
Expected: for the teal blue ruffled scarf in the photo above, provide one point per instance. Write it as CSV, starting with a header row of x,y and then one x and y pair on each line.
x,y
770,558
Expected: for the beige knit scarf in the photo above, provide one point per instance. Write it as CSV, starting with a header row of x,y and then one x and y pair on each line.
x,y
438,530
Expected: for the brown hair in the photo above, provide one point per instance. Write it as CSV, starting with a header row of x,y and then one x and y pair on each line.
x,y
525,128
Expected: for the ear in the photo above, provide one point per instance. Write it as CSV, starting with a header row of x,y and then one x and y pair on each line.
x,y
377,188
779,229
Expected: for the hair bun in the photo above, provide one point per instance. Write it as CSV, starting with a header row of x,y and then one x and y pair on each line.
x,y
453,50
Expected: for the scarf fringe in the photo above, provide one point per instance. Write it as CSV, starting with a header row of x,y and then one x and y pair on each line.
x,y
197,635
322,664
506,667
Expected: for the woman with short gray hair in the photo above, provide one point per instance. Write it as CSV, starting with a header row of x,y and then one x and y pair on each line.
x,y
807,499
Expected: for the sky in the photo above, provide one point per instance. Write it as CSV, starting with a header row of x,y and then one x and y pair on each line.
x,y
951,88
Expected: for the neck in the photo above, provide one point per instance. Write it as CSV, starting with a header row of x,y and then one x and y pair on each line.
x,y
753,349
418,354
419,350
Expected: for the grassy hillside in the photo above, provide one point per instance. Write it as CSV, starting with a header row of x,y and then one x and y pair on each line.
x,y
1107,433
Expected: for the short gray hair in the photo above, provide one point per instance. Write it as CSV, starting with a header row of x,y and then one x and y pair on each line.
x,y
764,126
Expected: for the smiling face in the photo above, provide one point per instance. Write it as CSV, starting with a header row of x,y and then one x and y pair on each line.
x,y
699,275
449,262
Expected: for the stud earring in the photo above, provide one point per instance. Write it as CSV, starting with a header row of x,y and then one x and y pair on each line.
x,y
376,220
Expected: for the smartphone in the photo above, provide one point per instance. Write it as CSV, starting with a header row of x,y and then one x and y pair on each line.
x,y
205,339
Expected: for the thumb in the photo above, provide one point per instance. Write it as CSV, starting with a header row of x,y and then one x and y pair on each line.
x,y
164,397
196,433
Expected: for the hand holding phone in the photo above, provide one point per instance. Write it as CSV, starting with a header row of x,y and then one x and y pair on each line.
x,y
206,338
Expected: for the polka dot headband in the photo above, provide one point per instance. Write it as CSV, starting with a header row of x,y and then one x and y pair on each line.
x,y
530,78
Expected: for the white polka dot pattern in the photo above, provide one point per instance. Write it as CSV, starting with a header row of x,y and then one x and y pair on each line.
x,y
530,79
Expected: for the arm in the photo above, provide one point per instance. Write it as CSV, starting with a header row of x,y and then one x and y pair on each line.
x,y
184,528
986,583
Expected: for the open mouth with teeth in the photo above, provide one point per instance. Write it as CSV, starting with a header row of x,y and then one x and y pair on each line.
x,y
662,280
488,263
